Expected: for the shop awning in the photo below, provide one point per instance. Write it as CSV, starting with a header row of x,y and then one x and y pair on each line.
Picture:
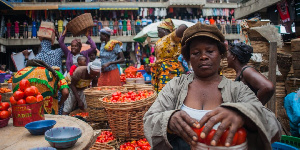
x,y
78,7
119,8
5,5
36,7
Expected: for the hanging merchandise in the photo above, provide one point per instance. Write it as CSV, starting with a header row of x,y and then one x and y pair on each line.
x,y
141,11
156,12
145,12
171,10
30,12
232,12
151,11
297,9
189,10
283,11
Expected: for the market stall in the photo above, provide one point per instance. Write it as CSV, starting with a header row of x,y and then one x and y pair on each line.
x,y
21,139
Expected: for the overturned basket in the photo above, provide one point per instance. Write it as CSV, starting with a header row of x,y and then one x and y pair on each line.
x,y
126,119
78,25
95,108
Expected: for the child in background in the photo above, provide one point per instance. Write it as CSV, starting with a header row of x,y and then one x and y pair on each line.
x,y
147,75
92,56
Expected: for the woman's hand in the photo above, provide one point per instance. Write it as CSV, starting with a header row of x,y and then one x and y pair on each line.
x,y
65,31
181,124
228,118
105,66
87,33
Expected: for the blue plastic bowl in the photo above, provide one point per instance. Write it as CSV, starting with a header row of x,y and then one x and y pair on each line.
x,y
43,148
63,134
63,144
40,127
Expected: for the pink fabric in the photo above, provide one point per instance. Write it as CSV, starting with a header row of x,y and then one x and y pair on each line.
x,y
16,27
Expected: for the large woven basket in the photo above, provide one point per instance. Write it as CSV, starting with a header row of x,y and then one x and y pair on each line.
x,y
126,119
104,146
95,108
78,25
138,87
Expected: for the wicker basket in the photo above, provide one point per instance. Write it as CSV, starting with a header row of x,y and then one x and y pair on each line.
x,y
73,113
4,122
104,146
79,24
95,108
126,119
138,87
6,96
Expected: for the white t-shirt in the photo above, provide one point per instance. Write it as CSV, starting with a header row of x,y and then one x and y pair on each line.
x,y
65,22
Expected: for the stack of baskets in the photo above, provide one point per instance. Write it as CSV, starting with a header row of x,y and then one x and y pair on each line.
x,y
95,108
126,119
80,24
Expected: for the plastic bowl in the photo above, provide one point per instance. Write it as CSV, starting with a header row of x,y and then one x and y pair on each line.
x,y
43,148
63,144
65,134
40,127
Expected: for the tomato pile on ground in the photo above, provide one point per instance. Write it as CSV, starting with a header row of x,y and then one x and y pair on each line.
x,y
5,109
239,137
122,77
141,67
105,136
5,90
141,144
26,94
130,96
139,75
82,114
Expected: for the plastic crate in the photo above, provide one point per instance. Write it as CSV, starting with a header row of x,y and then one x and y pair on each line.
x,y
290,140
282,146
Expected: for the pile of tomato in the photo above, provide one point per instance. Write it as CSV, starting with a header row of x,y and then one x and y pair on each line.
x,y
141,144
139,75
141,67
2,71
130,75
130,96
130,69
122,77
239,137
10,80
82,114
5,90
105,136
26,94
5,109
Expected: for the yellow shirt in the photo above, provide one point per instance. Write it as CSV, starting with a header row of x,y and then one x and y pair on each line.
x,y
168,46
60,23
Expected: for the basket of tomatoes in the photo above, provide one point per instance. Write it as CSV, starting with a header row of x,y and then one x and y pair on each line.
x,y
139,87
6,93
239,141
5,113
141,144
125,112
95,108
27,104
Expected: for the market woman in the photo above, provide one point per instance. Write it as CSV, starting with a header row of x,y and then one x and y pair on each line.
x,y
110,55
238,56
167,50
204,98
47,80
75,49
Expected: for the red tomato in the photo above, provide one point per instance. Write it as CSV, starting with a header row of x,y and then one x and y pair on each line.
x,y
0,98
9,111
210,136
18,95
39,98
223,137
35,89
12,101
4,114
198,132
24,84
29,92
4,106
242,135
31,99
21,102
115,94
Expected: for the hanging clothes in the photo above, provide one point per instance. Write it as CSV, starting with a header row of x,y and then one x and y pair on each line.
x,y
156,12
145,12
283,11
141,11
150,11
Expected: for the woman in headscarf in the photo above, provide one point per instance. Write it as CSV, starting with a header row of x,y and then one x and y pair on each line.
x,y
238,56
110,55
167,50
75,49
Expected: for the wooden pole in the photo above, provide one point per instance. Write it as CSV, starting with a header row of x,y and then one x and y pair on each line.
x,y
272,74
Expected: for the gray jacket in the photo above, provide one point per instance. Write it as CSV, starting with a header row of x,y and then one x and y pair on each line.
x,y
235,95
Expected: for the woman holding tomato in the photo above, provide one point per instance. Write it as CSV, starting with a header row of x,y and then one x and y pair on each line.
x,y
204,100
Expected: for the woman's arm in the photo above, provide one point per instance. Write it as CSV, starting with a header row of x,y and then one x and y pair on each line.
x,y
62,44
91,42
265,88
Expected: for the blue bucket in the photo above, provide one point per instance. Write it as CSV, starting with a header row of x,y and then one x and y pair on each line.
x,y
2,77
142,71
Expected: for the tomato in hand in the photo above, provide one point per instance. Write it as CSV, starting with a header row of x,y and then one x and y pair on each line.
x,y
242,136
210,136
18,95
31,99
29,92
12,101
24,84
4,114
21,102
4,106
198,132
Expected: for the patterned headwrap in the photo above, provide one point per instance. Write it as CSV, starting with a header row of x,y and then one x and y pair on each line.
x,y
77,42
167,24
107,31
95,66
242,51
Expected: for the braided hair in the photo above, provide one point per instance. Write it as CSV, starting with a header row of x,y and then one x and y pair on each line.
x,y
242,51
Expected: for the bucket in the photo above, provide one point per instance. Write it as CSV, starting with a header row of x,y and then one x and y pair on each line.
x,y
206,147
142,71
130,80
139,80
26,113
2,77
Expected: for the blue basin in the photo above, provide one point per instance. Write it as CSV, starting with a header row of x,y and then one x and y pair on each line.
x,y
40,127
